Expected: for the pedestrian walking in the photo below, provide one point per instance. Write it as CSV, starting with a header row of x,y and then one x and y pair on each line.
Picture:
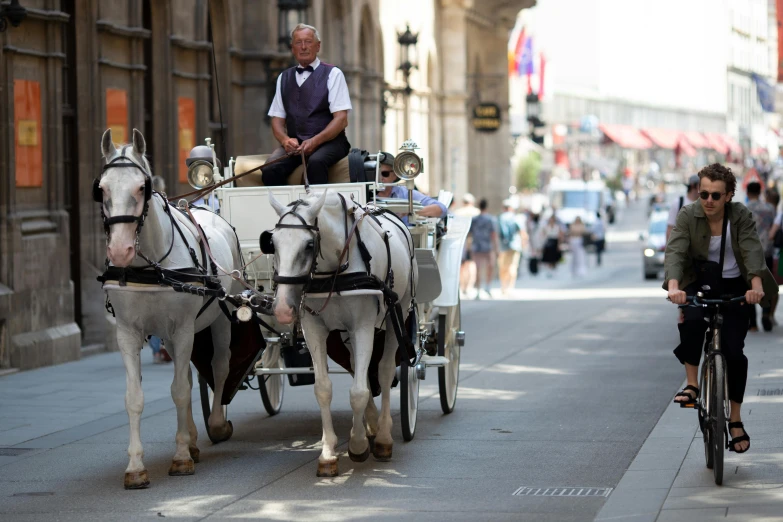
x,y
552,236
576,243
467,271
510,236
599,237
484,247
536,242
764,216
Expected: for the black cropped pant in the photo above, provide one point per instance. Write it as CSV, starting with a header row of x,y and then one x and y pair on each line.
x,y
733,332
317,164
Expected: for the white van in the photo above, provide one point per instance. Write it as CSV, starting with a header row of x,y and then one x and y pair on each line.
x,y
573,197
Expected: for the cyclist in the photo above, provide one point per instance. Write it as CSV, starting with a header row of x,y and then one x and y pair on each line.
x,y
693,261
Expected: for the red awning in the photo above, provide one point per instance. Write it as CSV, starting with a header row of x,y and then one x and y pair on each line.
x,y
733,144
716,143
663,138
696,139
625,136
683,147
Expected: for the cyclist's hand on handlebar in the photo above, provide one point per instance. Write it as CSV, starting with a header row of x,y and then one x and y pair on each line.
x,y
754,296
678,297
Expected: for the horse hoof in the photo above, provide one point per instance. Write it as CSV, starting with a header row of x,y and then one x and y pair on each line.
x,y
137,480
382,452
180,468
222,434
327,469
195,454
359,457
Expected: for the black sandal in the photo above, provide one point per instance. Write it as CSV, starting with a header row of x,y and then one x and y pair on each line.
x,y
691,402
741,438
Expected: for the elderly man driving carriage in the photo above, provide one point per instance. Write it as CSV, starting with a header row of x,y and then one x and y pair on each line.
x,y
309,112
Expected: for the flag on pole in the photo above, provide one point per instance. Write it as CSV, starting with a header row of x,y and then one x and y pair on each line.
x,y
541,68
526,65
518,50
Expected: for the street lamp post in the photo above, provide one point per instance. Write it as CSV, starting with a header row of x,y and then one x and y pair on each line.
x,y
407,41
12,13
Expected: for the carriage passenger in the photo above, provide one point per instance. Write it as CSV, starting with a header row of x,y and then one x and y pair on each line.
x,y
431,206
309,112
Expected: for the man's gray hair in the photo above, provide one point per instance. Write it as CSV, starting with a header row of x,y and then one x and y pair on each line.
x,y
302,27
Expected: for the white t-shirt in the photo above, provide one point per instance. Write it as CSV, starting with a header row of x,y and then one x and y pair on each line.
x,y
730,266
779,219
675,209
339,99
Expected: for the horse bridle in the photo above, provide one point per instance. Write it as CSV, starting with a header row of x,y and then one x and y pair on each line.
x,y
268,248
123,161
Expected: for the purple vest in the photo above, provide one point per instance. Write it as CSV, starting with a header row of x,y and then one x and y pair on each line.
x,y
306,106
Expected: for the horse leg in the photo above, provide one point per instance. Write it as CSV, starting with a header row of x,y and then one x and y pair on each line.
x,y
220,429
382,449
371,421
130,343
327,461
193,448
182,341
362,341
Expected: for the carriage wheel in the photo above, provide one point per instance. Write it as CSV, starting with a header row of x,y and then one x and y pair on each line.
x,y
409,398
206,405
272,387
449,324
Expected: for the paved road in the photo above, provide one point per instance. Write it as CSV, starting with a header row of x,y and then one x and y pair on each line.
x,y
561,385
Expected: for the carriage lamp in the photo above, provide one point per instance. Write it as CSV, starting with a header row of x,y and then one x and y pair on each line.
x,y
408,164
289,14
407,41
200,174
12,13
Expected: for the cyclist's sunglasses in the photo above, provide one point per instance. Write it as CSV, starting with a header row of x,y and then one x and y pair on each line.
x,y
715,195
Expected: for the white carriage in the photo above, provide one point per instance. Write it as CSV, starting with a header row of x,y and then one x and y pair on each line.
x,y
438,337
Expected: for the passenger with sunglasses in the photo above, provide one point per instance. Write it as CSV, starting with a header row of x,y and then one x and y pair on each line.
x,y
432,207
693,261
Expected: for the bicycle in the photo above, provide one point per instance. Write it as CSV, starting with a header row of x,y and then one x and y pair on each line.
x,y
712,402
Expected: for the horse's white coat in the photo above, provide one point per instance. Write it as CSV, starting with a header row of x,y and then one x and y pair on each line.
x,y
168,315
354,314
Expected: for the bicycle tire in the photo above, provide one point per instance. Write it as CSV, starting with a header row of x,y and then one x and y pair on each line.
x,y
718,418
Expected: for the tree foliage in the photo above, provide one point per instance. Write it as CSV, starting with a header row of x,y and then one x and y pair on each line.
x,y
528,170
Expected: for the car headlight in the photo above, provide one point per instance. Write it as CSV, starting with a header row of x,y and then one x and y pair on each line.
x,y
649,252
200,174
407,165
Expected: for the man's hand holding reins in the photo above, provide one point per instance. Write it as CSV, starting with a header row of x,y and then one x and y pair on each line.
x,y
309,146
291,145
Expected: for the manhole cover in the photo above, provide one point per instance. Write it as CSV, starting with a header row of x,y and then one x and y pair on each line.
x,y
562,492
13,452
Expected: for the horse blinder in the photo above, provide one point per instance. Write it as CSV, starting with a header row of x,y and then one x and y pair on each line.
x,y
97,193
265,242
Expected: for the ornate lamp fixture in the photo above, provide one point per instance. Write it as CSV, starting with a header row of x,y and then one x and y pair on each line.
x,y
12,13
407,41
290,13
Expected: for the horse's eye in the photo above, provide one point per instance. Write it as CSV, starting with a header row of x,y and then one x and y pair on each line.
x,y
309,245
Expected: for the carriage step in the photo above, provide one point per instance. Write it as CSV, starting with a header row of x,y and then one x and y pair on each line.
x,y
434,361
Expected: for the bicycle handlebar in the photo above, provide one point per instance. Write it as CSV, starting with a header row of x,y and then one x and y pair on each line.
x,y
701,301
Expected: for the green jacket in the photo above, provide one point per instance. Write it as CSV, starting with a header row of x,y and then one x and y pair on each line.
x,y
690,240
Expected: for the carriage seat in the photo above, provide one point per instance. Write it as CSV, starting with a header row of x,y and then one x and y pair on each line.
x,y
338,173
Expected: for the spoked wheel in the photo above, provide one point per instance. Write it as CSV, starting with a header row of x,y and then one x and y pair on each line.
x,y
206,406
705,421
718,425
272,387
409,398
449,324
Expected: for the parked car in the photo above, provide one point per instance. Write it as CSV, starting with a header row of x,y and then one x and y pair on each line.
x,y
654,244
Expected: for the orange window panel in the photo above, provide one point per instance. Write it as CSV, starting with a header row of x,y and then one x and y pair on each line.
x,y
117,114
186,109
27,133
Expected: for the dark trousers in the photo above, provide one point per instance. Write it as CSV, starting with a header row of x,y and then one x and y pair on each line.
x,y
733,332
600,246
317,164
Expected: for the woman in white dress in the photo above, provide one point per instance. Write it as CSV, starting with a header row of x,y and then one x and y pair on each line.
x,y
576,243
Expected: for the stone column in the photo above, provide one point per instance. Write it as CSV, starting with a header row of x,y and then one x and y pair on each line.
x,y
454,130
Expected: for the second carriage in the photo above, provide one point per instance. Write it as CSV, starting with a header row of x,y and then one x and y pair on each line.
x,y
280,354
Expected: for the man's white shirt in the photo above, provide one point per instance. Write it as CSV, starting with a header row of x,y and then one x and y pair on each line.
x,y
339,99
675,209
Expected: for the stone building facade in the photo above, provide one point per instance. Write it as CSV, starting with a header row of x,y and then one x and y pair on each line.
x,y
75,67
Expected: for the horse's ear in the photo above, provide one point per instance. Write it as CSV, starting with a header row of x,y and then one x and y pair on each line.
x,y
139,145
318,204
107,145
275,204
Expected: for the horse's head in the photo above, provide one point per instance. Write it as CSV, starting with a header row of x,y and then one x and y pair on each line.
x,y
295,243
123,192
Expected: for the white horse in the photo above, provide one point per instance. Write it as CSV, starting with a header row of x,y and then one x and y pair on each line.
x,y
127,202
296,248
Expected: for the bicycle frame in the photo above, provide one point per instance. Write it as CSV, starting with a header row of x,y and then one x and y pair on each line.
x,y
711,351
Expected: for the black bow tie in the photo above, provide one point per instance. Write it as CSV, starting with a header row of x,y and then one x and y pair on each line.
x,y
300,70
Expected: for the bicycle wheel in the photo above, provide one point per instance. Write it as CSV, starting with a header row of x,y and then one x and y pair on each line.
x,y
449,324
705,400
718,418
